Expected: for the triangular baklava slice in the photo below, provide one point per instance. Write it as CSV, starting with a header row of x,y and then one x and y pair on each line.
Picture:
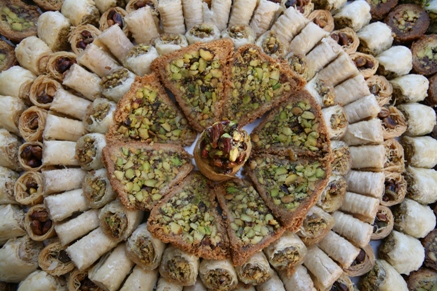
x,y
146,113
296,127
197,75
251,225
288,187
188,218
142,174
257,84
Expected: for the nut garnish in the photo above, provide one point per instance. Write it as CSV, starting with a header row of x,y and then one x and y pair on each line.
x,y
18,19
202,30
299,64
138,50
272,45
97,185
87,153
98,112
40,223
237,31
31,155
172,38
115,79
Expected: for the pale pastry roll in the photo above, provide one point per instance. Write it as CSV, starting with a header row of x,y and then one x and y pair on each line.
x,y
315,226
87,250
81,36
420,118
54,260
341,163
363,108
31,53
182,268
410,88
393,122
325,52
307,39
110,272
363,263
381,88
8,179
133,5
171,15
366,183
274,283
78,280
364,132
353,229
83,81
140,58
42,281
167,43
117,222
366,64
264,16
332,196
165,285
59,63
56,152
272,45
405,253
18,259
255,270
354,15
360,206
55,181
383,223
395,189
341,69
88,151
289,24
99,115
53,29
242,11
62,206
347,38
10,111
323,19
80,12
395,62
142,25
299,64
331,5
339,249
344,282
12,223
323,269
321,90
31,123
97,60
97,189
368,157
240,34
375,38
116,41
420,151
30,156
211,271
300,280
16,82
140,279
193,12
394,156
61,128
114,16
69,104
43,91
9,145
28,189
198,286
383,277
104,5
77,227
351,90
421,184
144,249
413,218
202,32
220,11
336,120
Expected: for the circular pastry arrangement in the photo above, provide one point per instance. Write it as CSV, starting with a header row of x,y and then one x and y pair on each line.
x,y
99,98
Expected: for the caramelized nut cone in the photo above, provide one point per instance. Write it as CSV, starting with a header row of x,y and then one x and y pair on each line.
x,y
81,36
43,91
322,18
113,16
365,63
31,123
30,156
393,120
347,38
78,280
383,223
363,263
381,88
59,63
28,188
38,223
395,189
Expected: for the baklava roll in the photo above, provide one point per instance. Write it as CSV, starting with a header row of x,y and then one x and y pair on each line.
x,y
420,151
56,181
87,250
64,205
395,188
315,226
300,280
81,12
323,269
172,18
405,253
383,277
78,280
395,62
110,272
38,224
300,66
99,116
323,19
98,61
274,283
77,227
53,29
363,263
339,249
203,32
10,111
59,63
116,41
57,152
325,52
239,34
198,286
54,260
144,249
364,132
360,206
255,270
16,82
332,196
69,104
141,23
353,229
366,183
18,259
336,121
366,64
88,151
341,153
242,11
140,279
307,39
218,275
347,38
381,88
321,90
42,281
421,184
167,43
341,69
82,81
61,128
264,16
410,88
287,252
81,36
31,123
32,53
393,122
182,268
272,45
394,156
133,5
354,15
117,222
368,157
139,58
420,118
114,16
117,84
375,38
290,23
193,12
383,223
12,223
363,108
30,156
28,189
43,91
165,285
8,179
97,189
351,90
413,218
9,145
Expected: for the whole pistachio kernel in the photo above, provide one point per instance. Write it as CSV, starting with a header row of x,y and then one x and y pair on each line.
x,y
202,30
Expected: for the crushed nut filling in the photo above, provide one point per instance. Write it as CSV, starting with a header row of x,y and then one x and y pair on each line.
x,y
99,112
202,30
87,153
237,31
115,223
115,79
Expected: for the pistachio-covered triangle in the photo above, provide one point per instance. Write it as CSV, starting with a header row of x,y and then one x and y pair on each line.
x,y
197,76
146,113
141,174
188,218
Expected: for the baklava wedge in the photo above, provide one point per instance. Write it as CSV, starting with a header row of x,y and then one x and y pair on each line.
x,y
188,218
146,113
288,187
257,84
251,225
197,76
142,174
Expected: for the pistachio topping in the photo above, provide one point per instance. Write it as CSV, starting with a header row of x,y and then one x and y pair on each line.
x,y
326,91
314,225
87,153
18,18
299,64
114,224
144,250
99,112
97,185
272,45
138,50
179,269
338,120
237,31
170,38
115,79
202,30
341,159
